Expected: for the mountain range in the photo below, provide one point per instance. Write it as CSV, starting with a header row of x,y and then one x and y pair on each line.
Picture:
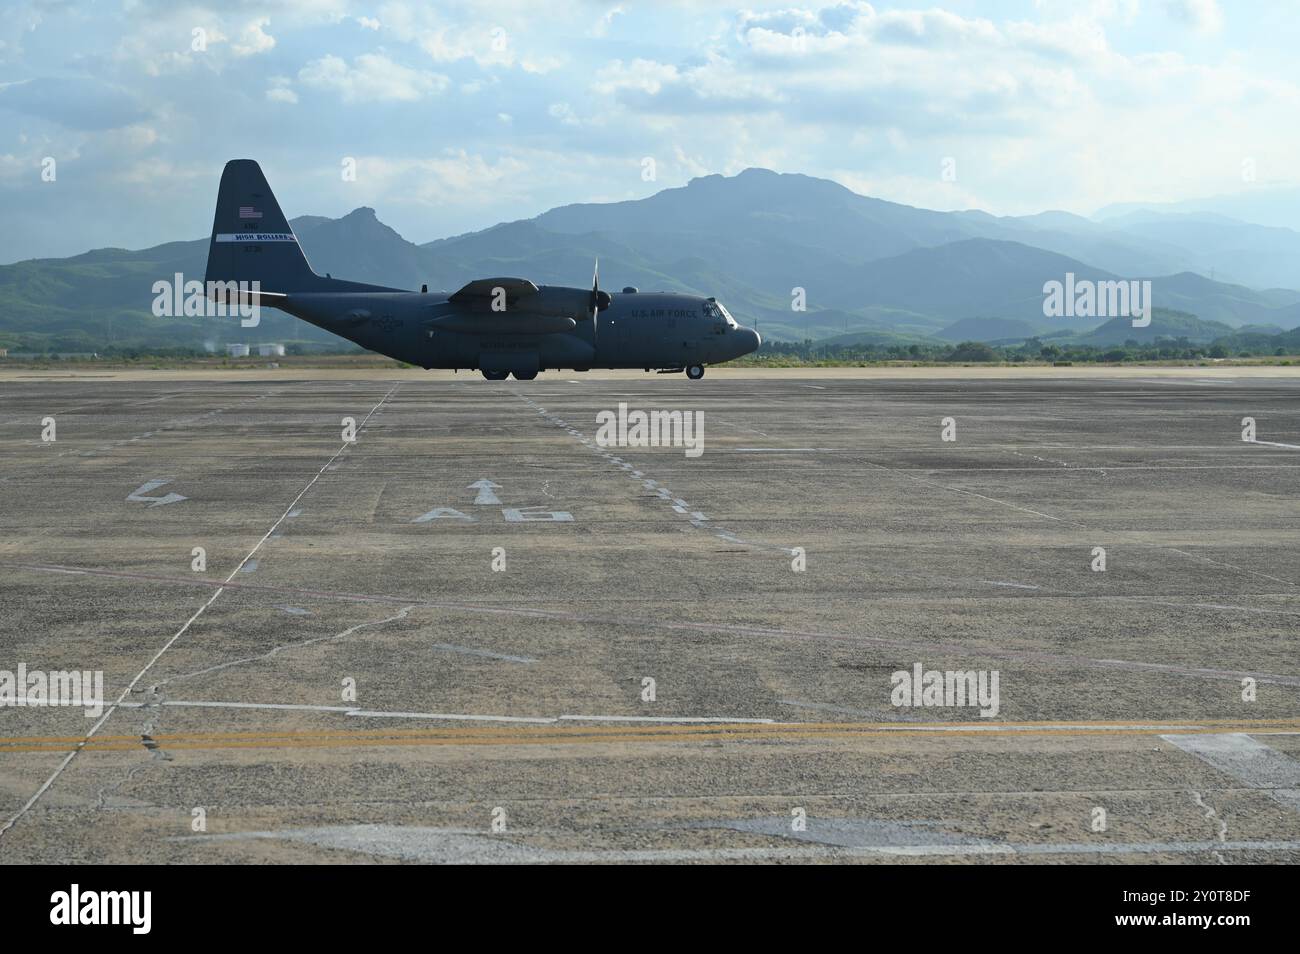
x,y
869,269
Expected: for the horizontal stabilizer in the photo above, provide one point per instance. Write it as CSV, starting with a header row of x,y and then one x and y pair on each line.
x,y
237,295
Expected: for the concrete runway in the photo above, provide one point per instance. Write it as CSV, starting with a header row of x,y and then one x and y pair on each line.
x,y
504,716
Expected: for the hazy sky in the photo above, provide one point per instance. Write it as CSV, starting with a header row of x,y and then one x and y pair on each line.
x,y
463,114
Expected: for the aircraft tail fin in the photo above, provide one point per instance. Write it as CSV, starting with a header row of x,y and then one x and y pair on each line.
x,y
251,238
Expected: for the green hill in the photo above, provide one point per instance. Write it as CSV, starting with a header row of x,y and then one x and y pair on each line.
x,y
1164,324
989,329
879,270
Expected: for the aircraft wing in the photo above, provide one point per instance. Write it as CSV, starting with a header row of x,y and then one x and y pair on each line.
x,y
483,289
527,309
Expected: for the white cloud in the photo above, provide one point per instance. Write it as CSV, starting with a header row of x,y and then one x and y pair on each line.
x,y
1046,103
1203,16
647,76
372,77
564,113
601,26
717,85
455,32
280,91
253,39
541,64
453,177
131,139
1041,112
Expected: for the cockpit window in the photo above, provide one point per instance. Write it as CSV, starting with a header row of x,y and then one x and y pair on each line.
x,y
716,312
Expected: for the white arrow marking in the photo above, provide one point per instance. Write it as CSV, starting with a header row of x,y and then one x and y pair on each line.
x,y
137,495
442,513
485,494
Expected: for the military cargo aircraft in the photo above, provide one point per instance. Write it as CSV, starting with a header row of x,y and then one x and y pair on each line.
x,y
499,326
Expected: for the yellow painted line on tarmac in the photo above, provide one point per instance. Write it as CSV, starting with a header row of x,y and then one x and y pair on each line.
x,y
630,733
695,728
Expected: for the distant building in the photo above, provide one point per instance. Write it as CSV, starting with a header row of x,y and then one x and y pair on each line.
x,y
237,350
4,352
271,350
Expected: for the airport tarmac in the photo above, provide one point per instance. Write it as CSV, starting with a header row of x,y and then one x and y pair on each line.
x,y
649,677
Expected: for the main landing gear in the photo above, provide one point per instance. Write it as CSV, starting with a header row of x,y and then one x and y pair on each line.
x,y
695,371
502,375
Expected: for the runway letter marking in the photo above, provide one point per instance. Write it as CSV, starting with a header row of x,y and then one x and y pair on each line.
x,y
535,515
486,497
137,495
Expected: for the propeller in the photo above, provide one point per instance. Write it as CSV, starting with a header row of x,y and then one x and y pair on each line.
x,y
599,301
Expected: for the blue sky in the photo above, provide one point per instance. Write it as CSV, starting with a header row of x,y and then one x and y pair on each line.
x,y
462,114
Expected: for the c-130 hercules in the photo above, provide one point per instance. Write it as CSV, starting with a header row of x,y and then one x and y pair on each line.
x,y
500,326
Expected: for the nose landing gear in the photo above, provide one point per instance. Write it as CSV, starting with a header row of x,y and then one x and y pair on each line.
x,y
695,371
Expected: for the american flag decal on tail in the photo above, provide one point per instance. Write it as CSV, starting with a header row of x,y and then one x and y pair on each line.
x,y
248,212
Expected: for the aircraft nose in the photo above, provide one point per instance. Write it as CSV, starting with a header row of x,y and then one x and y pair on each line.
x,y
751,339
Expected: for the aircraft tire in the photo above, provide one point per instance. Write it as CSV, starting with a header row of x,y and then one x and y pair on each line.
x,y
695,371
525,377
496,375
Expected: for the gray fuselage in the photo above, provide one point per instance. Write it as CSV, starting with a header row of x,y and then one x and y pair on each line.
x,y
647,330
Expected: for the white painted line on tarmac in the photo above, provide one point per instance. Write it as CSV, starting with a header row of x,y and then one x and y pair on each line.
x,y
1276,444
203,704
449,716
1081,727
45,787
726,720
343,710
